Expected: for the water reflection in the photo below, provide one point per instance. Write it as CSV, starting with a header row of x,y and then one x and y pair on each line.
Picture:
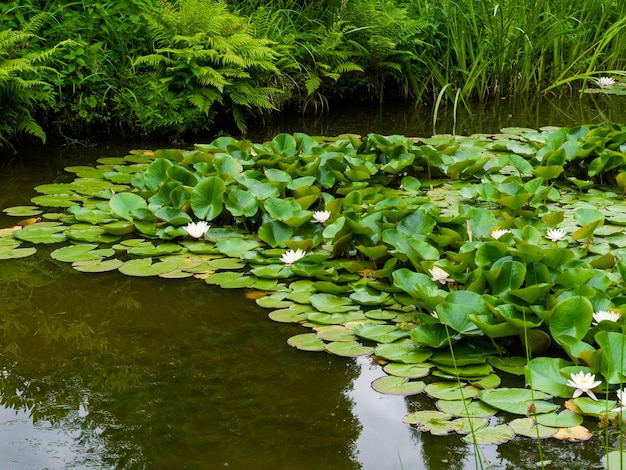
x,y
147,373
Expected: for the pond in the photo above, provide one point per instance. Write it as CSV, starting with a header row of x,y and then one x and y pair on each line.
x,y
109,371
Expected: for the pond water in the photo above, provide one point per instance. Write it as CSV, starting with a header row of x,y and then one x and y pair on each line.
x,y
108,371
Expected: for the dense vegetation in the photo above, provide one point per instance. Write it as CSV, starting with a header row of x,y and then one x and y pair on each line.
x,y
177,67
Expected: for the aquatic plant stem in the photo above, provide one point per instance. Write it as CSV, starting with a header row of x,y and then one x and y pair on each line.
x,y
532,390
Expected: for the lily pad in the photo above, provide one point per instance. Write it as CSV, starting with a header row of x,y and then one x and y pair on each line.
x,y
306,342
411,371
391,385
145,267
529,428
450,391
98,265
517,400
22,211
466,408
491,435
349,349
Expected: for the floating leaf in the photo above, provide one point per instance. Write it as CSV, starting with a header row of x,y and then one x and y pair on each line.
x,y
517,400
573,434
466,408
529,428
450,391
490,435
306,342
391,385
145,267
349,349
411,371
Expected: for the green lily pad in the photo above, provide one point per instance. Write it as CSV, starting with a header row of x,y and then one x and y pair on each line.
x,y
491,435
529,428
71,253
564,419
614,459
402,351
329,303
22,211
411,371
450,391
517,400
391,385
306,342
145,267
43,232
97,265
349,349
380,333
434,422
335,333
16,253
466,408
287,315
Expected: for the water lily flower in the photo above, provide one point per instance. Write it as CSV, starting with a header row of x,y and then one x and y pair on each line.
x,y
321,216
439,275
555,234
621,396
583,383
291,256
602,315
606,82
197,230
499,232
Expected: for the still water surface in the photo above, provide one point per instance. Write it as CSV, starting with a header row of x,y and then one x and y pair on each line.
x,y
103,371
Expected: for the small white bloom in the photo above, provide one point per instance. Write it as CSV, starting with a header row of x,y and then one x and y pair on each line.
x,y
197,230
439,275
606,82
435,314
321,216
555,234
602,315
583,383
621,396
499,232
291,256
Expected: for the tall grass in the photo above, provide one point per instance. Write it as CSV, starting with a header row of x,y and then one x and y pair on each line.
x,y
488,48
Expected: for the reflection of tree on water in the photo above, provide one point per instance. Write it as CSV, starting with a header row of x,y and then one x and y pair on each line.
x,y
163,373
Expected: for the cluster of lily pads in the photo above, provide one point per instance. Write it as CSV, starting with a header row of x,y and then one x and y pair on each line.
x,y
457,260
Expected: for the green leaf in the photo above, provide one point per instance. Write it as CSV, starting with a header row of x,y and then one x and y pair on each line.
x,y
544,374
571,317
391,385
517,400
127,205
207,198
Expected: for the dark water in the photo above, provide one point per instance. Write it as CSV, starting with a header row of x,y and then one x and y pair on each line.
x,y
108,371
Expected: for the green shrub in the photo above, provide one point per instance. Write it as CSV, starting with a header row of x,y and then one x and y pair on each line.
x,y
206,63
22,93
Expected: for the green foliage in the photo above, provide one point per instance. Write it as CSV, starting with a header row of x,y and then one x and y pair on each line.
x,y
206,59
22,93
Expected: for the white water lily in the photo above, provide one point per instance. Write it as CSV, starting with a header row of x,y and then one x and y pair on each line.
x,y
499,232
197,230
602,315
621,396
606,82
439,275
583,383
321,216
291,256
555,234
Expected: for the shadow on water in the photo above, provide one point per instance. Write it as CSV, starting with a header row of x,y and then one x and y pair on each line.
x,y
107,371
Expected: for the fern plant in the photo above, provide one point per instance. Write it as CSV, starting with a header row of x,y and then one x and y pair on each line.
x,y
207,58
22,93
